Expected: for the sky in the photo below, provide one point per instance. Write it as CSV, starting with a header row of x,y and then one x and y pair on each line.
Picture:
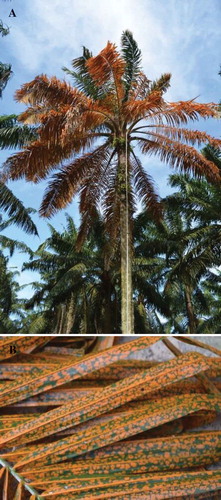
x,y
175,36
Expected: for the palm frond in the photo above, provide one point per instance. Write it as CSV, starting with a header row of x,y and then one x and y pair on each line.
x,y
108,65
82,79
5,74
14,135
181,156
15,209
144,186
4,31
132,56
67,182
162,84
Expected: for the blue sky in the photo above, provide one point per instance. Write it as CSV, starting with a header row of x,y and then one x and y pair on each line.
x,y
176,36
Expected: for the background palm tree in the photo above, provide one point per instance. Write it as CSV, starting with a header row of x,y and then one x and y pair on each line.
x,y
179,257
5,69
76,294
13,135
112,107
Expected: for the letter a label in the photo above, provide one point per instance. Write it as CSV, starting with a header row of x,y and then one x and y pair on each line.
x,y
12,13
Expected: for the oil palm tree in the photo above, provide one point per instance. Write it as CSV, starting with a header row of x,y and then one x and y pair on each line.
x,y
198,203
88,132
13,135
181,252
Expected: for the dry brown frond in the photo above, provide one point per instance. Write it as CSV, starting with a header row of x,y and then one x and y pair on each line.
x,y
71,178
137,109
140,88
108,63
35,162
49,90
183,111
187,135
181,156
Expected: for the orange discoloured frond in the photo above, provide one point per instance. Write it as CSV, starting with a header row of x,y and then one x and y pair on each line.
x,y
183,111
108,66
193,110
71,178
108,63
138,109
179,134
181,156
35,162
141,88
50,91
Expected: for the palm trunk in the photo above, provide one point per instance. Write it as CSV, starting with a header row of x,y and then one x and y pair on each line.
x,y
127,313
62,319
192,319
108,317
70,314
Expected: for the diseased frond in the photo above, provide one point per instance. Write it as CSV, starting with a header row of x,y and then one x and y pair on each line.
x,y
70,179
181,156
78,125
144,187
37,114
35,162
161,84
50,91
132,56
180,134
143,108
154,108
82,79
183,111
141,87
108,65
103,425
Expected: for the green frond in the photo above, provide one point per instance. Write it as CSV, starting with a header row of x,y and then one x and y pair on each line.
x,y
132,56
5,74
15,208
213,154
4,31
14,135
